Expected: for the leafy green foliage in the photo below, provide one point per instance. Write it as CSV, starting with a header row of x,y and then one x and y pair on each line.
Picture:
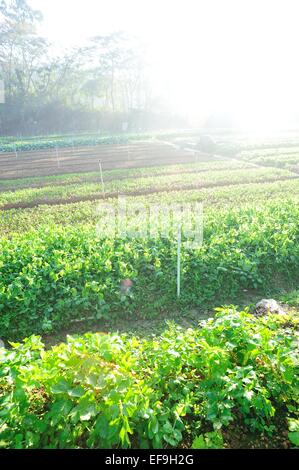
x,y
61,142
84,212
51,276
210,440
293,434
285,157
9,144
123,173
294,438
114,391
146,183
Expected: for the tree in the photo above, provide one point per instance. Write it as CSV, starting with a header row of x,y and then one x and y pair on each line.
x,y
21,50
119,69
99,85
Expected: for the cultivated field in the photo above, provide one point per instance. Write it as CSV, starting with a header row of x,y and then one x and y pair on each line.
x,y
63,261
75,160
240,197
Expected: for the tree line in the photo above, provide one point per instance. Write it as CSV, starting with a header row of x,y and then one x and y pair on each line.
x,y
102,86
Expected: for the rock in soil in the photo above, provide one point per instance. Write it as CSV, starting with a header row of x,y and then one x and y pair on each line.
x,y
266,306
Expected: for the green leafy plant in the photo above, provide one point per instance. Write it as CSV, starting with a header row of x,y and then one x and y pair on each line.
x,y
113,391
210,440
293,434
53,275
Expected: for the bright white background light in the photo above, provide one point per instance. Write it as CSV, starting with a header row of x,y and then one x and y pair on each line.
x,y
209,56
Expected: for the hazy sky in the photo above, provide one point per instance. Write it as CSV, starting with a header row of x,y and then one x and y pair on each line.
x,y
240,55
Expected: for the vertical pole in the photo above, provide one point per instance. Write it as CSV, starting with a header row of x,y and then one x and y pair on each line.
x,y
179,261
102,180
57,158
16,154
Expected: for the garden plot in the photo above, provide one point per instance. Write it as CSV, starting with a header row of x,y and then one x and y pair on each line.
x,y
84,159
31,197
111,175
85,213
61,272
276,157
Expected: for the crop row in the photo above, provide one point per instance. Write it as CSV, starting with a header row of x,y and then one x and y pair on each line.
x,y
276,157
268,152
68,141
10,144
60,143
282,161
143,184
38,181
86,212
262,143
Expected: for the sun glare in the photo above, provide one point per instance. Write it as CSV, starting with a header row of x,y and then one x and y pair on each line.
x,y
205,57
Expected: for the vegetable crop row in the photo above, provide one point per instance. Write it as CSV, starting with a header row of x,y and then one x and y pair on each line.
x,y
181,389
51,276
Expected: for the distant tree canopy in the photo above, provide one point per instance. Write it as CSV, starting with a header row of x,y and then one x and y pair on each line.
x,y
96,87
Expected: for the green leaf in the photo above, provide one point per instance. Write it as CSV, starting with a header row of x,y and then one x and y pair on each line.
x,y
294,438
210,440
76,392
199,443
61,387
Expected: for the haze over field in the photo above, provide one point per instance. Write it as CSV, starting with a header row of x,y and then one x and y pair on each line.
x,y
154,65
206,56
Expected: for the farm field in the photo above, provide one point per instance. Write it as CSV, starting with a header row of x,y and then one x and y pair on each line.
x,y
160,170
205,380
141,185
11,143
281,158
86,212
55,161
